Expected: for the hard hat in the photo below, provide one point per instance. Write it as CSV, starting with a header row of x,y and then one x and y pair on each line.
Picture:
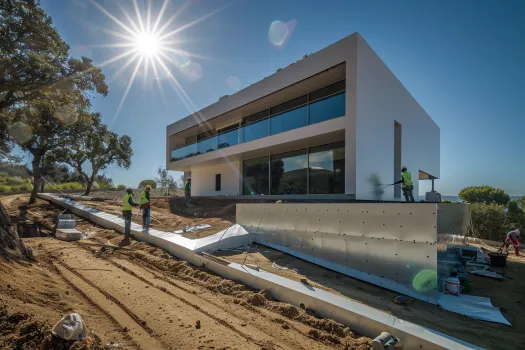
x,y
189,178
148,187
517,231
403,168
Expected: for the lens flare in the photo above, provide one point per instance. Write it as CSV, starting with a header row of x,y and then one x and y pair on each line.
x,y
191,70
21,132
425,281
280,32
234,83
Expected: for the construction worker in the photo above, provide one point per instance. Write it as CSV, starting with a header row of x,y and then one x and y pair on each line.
x,y
145,206
513,237
126,212
187,191
407,184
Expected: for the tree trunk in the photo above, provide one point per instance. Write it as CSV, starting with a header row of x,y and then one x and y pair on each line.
x,y
89,184
36,177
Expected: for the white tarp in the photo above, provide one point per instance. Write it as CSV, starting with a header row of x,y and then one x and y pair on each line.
x,y
472,306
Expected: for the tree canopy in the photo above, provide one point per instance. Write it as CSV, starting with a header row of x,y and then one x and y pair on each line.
x,y
90,140
484,194
165,180
35,62
144,183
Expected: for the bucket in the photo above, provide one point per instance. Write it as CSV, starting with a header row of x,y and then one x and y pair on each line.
x,y
452,286
498,259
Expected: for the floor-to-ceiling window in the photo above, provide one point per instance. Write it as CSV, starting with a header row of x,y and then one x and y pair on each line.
x,y
317,170
289,173
327,169
256,179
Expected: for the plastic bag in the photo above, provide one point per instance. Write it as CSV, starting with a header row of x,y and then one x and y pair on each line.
x,y
70,327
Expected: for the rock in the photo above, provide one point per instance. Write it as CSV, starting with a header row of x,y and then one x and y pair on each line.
x,y
198,324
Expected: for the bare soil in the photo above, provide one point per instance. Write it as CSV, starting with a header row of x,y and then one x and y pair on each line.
x,y
140,297
508,295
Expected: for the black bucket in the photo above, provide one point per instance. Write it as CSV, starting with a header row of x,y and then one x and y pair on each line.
x,y
498,259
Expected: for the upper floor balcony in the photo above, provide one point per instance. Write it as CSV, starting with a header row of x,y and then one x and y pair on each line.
x,y
316,107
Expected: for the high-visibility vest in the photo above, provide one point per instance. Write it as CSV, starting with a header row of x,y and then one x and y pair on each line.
x,y
127,206
187,187
143,199
407,178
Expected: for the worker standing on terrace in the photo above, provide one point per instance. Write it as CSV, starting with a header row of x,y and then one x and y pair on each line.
x,y
187,191
126,212
145,206
407,184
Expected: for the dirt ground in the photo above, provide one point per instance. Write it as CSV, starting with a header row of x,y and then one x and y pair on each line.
x,y
508,295
140,297
163,219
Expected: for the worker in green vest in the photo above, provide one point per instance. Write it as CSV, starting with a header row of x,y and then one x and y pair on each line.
x,y
145,206
126,211
407,184
187,191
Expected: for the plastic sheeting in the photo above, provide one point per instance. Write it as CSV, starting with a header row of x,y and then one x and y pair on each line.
x,y
472,306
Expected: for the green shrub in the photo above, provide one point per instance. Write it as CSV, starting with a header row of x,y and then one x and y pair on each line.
x,y
484,194
489,221
5,188
121,187
14,181
447,201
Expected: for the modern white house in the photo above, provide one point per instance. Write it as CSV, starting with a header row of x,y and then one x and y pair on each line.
x,y
322,127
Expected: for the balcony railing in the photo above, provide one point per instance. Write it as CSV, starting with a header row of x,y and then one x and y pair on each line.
x,y
315,112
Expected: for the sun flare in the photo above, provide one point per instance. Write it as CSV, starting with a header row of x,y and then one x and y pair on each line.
x,y
152,45
148,44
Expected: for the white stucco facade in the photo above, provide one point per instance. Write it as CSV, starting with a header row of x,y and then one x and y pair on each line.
x,y
375,102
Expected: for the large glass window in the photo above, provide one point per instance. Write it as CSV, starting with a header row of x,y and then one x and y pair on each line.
x,y
289,120
256,176
289,172
327,169
329,108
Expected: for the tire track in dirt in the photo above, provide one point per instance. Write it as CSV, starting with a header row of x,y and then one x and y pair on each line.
x,y
124,308
73,286
187,302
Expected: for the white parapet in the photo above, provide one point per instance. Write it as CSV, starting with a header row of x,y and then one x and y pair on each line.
x,y
360,318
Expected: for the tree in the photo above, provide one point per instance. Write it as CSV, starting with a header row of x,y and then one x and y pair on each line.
x,y
91,141
165,180
35,62
484,194
36,130
144,183
121,187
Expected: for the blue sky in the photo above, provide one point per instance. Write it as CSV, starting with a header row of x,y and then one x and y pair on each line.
x,y
463,61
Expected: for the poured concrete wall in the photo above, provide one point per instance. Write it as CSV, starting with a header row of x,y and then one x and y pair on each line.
x,y
391,245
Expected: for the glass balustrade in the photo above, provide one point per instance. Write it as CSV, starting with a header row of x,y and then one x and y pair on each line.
x,y
293,119
207,145
230,138
256,130
316,112
329,108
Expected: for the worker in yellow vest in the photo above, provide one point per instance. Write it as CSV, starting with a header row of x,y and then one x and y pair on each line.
x,y
126,211
407,184
145,206
187,191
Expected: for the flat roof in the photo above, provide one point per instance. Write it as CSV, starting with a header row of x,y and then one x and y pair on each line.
x,y
293,73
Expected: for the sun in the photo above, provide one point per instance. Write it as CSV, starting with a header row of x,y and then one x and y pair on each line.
x,y
151,44
148,44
